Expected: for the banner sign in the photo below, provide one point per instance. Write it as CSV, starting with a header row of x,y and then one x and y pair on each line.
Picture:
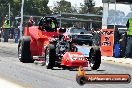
x,y
82,78
107,42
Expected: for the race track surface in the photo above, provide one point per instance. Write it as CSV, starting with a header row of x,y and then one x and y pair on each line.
x,y
31,75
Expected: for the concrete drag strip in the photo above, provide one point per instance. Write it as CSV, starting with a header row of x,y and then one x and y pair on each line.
x,y
7,84
7,81
9,45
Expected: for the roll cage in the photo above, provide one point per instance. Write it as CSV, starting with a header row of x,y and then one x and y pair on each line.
x,y
45,23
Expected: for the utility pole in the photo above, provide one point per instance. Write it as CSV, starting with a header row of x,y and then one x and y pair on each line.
x,y
9,11
115,17
21,24
60,19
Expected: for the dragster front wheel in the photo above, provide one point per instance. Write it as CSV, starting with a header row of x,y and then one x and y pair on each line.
x,y
95,58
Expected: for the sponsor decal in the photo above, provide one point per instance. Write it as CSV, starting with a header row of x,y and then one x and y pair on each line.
x,y
78,58
76,55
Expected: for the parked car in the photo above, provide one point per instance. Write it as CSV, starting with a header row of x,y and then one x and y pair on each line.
x,y
79,35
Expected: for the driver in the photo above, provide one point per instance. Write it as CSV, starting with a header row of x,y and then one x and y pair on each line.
x,y
31,22
53,26
45,25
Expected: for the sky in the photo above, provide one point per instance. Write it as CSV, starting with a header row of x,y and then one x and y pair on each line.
x,y
124,8
76,2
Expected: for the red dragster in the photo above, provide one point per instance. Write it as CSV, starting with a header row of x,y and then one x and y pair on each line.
x,y
44,43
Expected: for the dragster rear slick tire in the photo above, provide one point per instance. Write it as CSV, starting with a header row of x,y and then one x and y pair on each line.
x,y
24,53
95,58
50,56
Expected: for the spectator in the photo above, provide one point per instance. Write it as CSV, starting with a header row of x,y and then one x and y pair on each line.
x,y
31,22
6,27
96,36
129,38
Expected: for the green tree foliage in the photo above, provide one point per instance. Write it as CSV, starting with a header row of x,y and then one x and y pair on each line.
x,y
63,6
36,7
3,9
31,7
89,7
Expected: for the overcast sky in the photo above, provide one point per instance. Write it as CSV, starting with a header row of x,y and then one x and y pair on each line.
x,y
76,2
124,8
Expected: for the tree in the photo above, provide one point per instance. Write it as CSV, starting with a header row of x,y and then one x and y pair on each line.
x,y
31,7
36,7
89,7
63,6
